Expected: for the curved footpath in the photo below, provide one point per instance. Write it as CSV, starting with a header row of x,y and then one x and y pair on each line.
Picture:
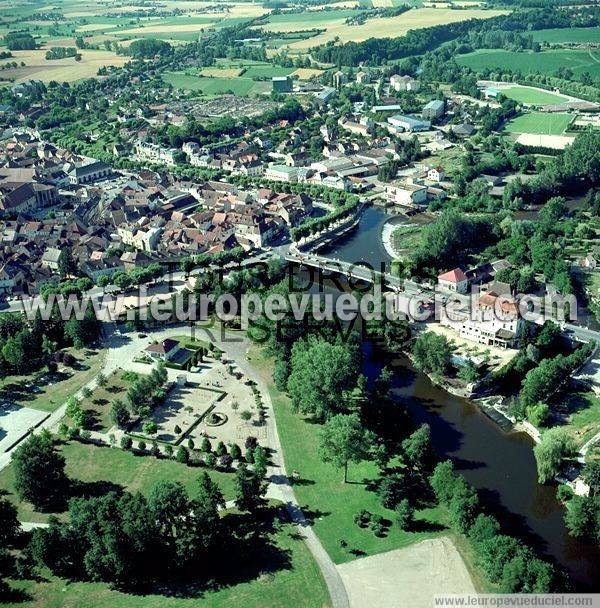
x,y
121,351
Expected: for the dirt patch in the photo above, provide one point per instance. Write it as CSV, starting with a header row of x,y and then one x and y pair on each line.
x,y
407,577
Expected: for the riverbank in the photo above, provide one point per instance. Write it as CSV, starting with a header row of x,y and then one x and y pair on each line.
x,y
386,239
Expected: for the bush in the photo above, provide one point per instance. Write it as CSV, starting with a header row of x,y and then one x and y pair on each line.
x,y
169,450
405,514
221,449
362,518
142,445
225,461
211,460
377,526
235,451
183,455
155,450
126,442
564,493
206,446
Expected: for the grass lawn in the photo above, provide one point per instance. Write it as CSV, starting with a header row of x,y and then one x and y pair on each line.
x,y
100,400
99,468
48,393
584,421
532,96
294,581
545,62
324,497
539,122
407,238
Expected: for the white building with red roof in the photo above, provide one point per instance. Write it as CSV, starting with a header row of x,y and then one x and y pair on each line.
x,y
454,280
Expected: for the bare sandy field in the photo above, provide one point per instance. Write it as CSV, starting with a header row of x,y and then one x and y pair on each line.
x,y
306,73
407,577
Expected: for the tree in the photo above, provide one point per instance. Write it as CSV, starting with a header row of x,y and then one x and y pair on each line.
x,y
209,493
404,514
432,353
591,475
443,480
260,461
234,450
182,455
581,516
101,379
556,444
417,448
321,374
250,490
126,442
119,414
150,427
344,440
9,523
205,446
40,472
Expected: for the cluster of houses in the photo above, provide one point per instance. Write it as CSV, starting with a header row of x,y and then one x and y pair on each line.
x,y
495,319
112,222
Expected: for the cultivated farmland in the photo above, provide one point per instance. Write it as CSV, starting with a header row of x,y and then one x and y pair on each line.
x,y
546,62
334,24
573,35
61,70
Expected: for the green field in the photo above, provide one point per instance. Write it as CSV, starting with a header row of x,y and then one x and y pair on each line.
x,y
546,62
216,86
266,71
89,463
567,34
323,495
532,96
540,122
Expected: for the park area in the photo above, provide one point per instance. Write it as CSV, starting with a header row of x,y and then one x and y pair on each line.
x,y
47,391
97,470
329,503
539,123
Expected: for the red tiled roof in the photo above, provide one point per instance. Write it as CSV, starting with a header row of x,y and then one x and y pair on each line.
x,y
453,276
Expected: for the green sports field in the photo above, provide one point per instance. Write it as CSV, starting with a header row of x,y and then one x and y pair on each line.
x,y
540,123
546,62
532,96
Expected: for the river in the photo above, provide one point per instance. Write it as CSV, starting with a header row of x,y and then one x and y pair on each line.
x,y
499,464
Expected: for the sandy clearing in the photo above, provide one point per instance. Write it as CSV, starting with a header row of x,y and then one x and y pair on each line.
x,y
306,73
407,577
221,72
